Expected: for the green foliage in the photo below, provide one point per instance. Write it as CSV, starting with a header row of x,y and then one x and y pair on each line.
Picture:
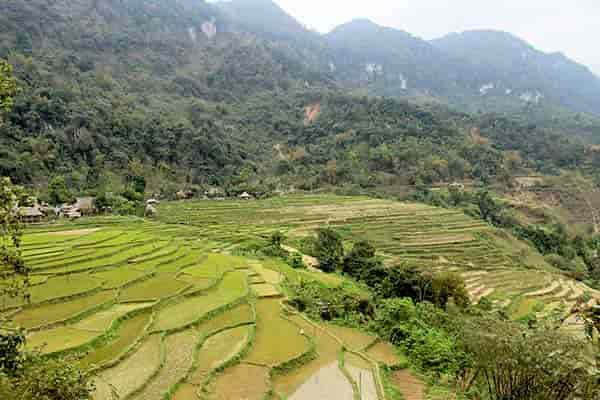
x,y
322,302
276,239
295,261
11,357
8,86
46,379
449,285
14,271
510,361
58,192
329,249
360,259
426,334
139,184
488,208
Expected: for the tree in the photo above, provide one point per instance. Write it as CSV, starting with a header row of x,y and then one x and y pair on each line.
x,y
45,379
276,239
139,184
360,259
449,285
58,193
510,361
8,86
329,249
14,272
487,206
24,375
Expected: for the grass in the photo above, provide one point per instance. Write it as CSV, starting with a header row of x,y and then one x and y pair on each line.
x,y
242,381
135,371
241,314
192,309
117,277
265,290
328,350
50,313
101,321
179,351
277,339
59,339
386,354
129,331
214,266
352,338
157,287
218,349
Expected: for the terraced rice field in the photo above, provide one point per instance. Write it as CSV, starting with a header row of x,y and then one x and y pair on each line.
x,y
162,309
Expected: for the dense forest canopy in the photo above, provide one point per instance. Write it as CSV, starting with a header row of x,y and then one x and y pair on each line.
x,y
191,93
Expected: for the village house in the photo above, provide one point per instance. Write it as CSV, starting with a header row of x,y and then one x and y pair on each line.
x,y
70,212
31,215
245,196
85,205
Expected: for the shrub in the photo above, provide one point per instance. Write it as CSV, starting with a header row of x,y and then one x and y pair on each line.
x,y
295,261
329,249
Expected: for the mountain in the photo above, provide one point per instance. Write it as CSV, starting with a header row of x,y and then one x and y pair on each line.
x,y
391,62
240,95
508,66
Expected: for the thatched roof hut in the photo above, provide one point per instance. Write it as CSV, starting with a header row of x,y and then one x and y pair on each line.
x,y
31,214
85,205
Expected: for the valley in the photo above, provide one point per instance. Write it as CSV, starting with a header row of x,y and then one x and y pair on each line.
x,y
173,308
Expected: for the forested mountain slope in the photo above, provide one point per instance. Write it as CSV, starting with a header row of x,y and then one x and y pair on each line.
x,y
508,66
191,93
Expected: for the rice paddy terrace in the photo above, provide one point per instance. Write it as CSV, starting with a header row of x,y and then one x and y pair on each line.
x,y
494,264
162,309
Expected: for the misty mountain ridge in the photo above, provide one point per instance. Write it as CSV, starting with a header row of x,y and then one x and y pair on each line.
x,y
470,70
198,41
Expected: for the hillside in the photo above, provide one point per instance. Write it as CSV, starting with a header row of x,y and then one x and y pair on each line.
x,y
188,307
507,66
188,93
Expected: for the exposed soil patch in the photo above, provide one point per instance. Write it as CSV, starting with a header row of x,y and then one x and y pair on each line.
x,y
311,113
74,232
411,387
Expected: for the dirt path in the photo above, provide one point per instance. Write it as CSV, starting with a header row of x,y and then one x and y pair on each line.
x,y
74,232
411,387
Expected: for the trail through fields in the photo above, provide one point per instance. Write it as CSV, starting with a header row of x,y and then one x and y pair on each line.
x,y
411,387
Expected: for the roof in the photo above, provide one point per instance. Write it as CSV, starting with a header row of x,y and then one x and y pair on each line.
x,y
30,212
245,194
85,203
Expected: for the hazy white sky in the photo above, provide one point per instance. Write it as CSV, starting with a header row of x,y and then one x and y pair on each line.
x,y
570,26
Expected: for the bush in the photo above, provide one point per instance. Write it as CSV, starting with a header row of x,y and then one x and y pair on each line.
x,y
321,302
360,259
329,249
295,261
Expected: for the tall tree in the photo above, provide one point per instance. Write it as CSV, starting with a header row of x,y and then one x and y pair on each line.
x,y
14,272
8,87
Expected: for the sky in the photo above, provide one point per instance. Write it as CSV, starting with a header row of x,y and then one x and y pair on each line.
x,y
569,26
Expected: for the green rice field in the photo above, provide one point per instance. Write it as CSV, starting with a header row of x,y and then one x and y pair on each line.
x,y
159,309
